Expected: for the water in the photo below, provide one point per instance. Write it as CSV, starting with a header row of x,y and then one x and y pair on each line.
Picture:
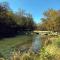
x,y
36,44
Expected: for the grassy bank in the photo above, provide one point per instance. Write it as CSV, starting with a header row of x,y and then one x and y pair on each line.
x,y
48,52
51,51
9,43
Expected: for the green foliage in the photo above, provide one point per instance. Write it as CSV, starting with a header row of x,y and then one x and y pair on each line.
x,y
11,23
25,21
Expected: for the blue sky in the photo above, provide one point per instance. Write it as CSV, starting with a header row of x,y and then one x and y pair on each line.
x,y
35,7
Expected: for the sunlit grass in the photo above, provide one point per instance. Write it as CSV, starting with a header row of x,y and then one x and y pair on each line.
x,y
49,52
9,43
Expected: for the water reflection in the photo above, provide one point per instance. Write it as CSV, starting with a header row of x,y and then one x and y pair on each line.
x,y
36,44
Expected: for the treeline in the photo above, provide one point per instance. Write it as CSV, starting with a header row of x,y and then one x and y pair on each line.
x,y
12,23
51,21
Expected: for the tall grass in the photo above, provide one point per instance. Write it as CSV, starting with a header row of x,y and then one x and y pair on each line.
x,y
49,52
8,44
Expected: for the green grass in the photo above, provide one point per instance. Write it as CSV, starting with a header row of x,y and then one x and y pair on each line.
x,y
51,51
57,42
48,52
7,43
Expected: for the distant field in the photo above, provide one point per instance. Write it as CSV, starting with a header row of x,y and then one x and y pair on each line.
x,y
7,43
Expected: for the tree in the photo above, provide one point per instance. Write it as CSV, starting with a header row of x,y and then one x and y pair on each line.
x,y
7,23
51,20
25,20
11,23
